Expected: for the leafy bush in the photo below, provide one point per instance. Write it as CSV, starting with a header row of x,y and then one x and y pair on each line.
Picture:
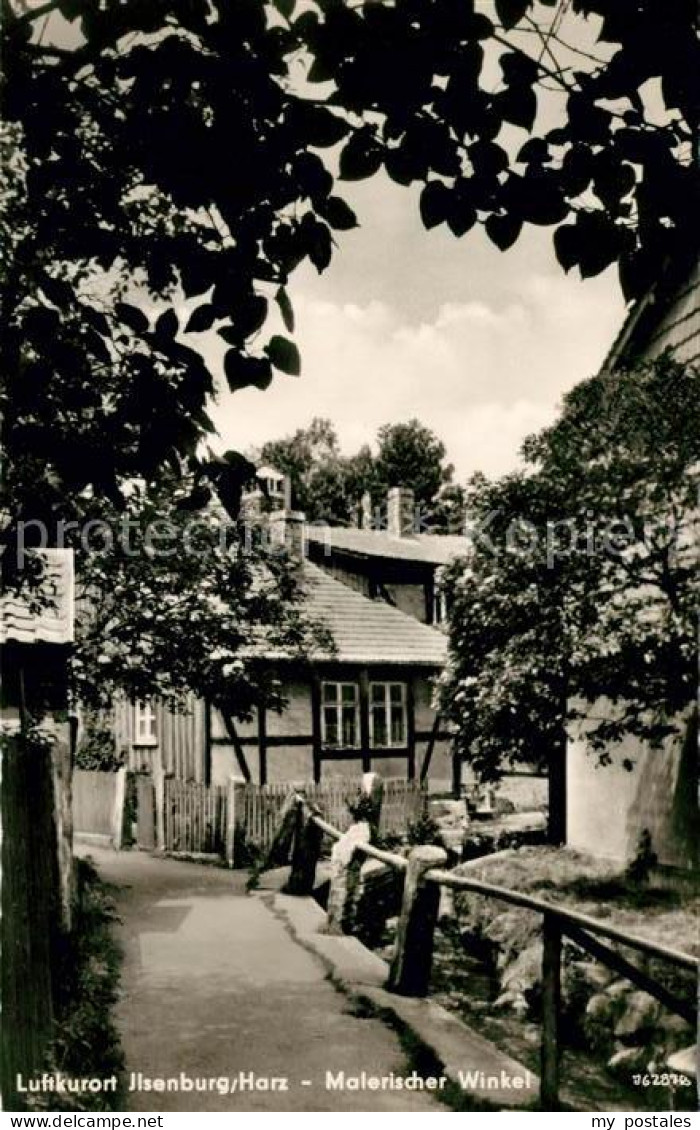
x,y
423,830
98,749
86,1041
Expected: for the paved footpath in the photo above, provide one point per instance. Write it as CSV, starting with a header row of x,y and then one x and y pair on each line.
x,y
213,986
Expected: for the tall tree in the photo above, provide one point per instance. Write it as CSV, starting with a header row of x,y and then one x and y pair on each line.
x,y
582,580
177,601
411,455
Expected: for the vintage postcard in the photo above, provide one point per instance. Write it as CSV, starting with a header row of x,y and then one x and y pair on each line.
x,y
351,374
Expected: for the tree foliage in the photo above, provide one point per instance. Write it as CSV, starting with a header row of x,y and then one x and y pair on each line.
x,y
188,147
176,603
328,485
582,583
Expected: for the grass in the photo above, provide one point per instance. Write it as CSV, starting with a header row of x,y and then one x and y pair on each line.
x,y
596,887
86,1042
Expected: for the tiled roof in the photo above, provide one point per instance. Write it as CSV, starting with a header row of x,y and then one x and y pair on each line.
x,y
364,630
44,614
432,549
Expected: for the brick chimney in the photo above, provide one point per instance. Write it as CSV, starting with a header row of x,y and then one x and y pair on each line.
x,y
288,528
400,512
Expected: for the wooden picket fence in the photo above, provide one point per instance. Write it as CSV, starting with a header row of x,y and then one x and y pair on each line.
x,y
196,816
260,806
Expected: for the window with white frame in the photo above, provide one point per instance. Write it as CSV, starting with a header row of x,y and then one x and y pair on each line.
x,y
388,716
440,607
340,716
145,724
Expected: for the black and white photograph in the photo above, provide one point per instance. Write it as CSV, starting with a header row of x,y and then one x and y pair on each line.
x,y
350,357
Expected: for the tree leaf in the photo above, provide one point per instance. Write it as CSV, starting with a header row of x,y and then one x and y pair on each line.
x,y
285,7
284,355
249,314
242,371
461,215
201,319
518,105
510,12
58,292
132,317
167,325
503,230
566,241
286,309
322,128
339,214
435,203
318,241
361,157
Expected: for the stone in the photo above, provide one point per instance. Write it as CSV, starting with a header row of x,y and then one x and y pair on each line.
x,y
446,908
600,1008
619,989
592,974
675,1027
628,1061
525,973
640,1014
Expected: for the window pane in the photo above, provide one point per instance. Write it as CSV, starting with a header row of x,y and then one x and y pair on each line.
x,y
330,692
330,727
349,726
397,692
398,729
349,692
379,733
377,692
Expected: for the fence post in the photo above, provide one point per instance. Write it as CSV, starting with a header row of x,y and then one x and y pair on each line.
x,y
551,1004
410,968
159,791
119,802
373,788
232,813
305,853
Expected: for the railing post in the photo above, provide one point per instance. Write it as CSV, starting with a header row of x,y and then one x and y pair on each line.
x,y
346,864
410,968
305,852
551,1005
373,787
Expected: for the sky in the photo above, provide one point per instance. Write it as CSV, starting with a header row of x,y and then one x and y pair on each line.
x,y
478,344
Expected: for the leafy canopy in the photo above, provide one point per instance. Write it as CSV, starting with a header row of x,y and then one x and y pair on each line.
x,y
195,147
175,602
582,584
329,486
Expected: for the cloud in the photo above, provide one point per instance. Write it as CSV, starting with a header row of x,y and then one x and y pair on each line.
x,y
481,374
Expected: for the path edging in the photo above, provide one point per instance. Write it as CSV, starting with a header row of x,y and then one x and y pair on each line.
x,y
362,975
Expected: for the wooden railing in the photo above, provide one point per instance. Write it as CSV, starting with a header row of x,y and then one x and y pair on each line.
x,y
424,875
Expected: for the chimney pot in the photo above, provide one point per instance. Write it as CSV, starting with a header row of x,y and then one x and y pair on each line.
x,y
400,512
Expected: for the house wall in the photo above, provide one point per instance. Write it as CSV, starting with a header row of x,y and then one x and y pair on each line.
x,y
181,747
293,760
410,599
609,805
